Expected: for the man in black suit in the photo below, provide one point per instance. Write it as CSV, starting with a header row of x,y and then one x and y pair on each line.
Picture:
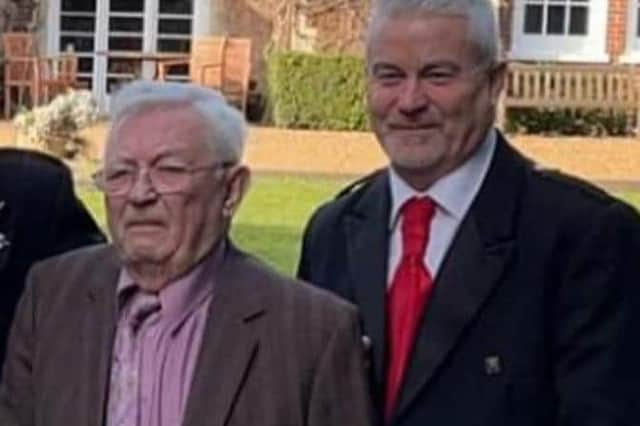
x,y
493,293
40,216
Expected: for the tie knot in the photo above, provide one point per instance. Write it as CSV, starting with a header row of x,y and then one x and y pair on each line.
x,y
143,305
417,213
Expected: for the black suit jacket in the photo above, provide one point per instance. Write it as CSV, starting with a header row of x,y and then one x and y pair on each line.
x,y
40,217
535,318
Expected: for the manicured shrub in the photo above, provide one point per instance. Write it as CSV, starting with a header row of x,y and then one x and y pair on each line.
x,y
310,91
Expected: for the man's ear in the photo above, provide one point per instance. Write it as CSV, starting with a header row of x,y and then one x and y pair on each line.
x,y
238,179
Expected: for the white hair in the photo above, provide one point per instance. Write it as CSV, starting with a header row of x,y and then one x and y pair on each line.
x,y
481,15
227,127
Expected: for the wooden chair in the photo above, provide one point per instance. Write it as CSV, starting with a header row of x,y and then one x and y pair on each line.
x,y
19,68
55,75
236,71
205,63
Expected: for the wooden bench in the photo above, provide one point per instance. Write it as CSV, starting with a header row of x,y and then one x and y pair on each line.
x,y
613,88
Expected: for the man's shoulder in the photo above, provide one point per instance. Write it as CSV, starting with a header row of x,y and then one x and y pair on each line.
x,y
74,267
349,196
565,191
284,293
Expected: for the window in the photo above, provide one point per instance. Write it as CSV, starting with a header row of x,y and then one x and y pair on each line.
x,y
560,30
568,17
632,49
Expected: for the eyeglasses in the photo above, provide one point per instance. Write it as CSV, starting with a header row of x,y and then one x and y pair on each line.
x,y
165,179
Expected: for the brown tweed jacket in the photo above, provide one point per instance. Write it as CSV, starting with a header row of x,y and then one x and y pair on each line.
x,y
275,351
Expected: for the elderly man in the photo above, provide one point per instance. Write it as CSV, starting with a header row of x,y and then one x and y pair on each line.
x,y
494,293
172,325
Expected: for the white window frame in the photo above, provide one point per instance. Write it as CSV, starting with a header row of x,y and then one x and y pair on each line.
x,y
200,25
631,54
591,47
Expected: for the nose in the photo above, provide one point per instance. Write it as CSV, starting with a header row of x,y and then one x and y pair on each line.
x,y
412,99
142,190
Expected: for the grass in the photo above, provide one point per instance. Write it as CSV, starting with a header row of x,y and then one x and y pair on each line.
x,y
272,217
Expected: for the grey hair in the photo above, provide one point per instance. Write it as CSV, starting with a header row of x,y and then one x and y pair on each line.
x,y
227,127
481,15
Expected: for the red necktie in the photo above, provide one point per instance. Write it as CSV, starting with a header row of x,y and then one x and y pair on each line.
x,y
410,290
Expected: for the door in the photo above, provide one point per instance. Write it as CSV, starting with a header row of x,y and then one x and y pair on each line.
x,y
100,30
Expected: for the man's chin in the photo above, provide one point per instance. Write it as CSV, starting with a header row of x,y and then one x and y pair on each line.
x,y
145,253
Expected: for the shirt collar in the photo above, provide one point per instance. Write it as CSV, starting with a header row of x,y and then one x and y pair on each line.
x,y
182,295
452,193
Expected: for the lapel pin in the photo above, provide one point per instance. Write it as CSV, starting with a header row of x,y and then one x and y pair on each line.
x,y
493,365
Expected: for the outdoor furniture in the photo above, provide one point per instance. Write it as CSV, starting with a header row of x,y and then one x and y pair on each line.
x,y
573,87
19,68
205,62
138,58
55,75
222,63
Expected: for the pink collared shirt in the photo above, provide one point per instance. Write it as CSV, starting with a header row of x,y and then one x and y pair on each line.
x,y
165,347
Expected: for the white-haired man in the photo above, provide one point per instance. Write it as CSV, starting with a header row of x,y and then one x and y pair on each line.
x,y
493,293
171,324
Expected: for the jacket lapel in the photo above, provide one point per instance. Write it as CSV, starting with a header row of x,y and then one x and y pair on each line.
x,y
366,228
473,266
229,344
97,338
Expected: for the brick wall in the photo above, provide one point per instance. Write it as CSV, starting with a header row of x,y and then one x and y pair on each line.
x,y
339,27
617,28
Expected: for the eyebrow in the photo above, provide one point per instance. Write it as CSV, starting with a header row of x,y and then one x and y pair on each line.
x,y
386,66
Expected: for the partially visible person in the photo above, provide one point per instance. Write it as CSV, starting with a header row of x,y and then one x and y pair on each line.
x,y
172,324
40,216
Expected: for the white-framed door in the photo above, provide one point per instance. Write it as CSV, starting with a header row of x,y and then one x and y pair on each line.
x,y
93,27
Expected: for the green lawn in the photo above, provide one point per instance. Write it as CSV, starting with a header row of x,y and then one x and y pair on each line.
x,y
272,216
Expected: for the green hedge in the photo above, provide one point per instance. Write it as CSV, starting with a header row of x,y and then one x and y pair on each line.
x,y
310,91
561,122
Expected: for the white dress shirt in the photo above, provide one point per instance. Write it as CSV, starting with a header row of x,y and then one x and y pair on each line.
x,y
453,195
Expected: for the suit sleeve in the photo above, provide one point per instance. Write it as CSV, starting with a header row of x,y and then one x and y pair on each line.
x,y
16,388
597,335
340,393
304,264
72,225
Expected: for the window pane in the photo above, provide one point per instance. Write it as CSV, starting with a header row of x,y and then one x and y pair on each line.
x,y
80,44
125,43
78,5
174,26
182,7
578,22
533,19
85,64
126,24
169,45
76,23
555,20
127,5
85,82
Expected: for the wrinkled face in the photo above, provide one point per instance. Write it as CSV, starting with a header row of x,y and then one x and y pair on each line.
x,y
430,98
174,229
